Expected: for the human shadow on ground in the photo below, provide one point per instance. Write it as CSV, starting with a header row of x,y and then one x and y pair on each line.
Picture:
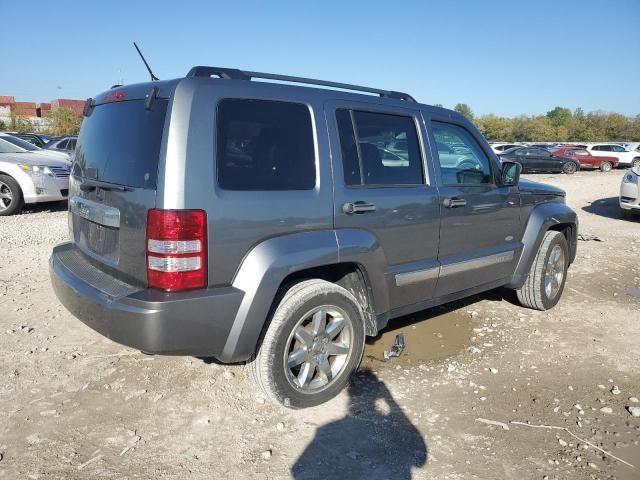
x,y
375,440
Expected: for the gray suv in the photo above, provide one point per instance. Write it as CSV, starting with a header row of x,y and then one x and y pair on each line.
x,y
280,224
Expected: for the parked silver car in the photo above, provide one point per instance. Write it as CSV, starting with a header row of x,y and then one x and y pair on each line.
x,y
29,174
630,191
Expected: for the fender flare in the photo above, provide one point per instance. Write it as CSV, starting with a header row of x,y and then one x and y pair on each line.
x,y
268,264
542,218
362,248
259,277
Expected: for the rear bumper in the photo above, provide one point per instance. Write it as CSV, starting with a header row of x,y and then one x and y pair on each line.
x,y
185,323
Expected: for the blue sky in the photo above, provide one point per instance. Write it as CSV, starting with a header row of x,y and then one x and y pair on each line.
x,y
504,57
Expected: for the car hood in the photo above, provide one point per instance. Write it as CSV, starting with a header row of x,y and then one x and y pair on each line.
x,y
537,188
53,154
35,158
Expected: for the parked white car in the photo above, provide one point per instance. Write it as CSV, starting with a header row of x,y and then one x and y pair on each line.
x,y
626,158
29,174
501,147
633,146
630,191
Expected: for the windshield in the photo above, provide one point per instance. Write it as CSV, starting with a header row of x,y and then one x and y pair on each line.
x,y
120,143
18,142
8,147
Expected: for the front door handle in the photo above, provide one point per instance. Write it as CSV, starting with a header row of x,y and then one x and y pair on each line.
x,y
454,202
358,207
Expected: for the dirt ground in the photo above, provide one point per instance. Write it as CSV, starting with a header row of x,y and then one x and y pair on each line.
x,y
74,405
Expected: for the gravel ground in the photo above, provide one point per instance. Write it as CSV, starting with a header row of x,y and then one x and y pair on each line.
x,y
475,395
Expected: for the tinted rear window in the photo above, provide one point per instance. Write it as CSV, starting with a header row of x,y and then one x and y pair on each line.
x,y
264,145
120,143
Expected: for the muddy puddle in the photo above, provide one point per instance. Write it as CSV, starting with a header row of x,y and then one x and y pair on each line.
x,y
430,335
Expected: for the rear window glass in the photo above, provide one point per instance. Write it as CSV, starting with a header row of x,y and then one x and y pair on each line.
x,y
264,145
120,143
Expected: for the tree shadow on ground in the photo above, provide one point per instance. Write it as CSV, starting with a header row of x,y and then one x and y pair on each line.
x,y
609,208
375,440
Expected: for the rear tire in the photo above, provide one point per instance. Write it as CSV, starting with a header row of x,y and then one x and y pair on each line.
x,y
605,166
569,168
11,199
313,344
545,283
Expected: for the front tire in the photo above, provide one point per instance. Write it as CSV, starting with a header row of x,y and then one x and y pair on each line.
x,y
605,166
312,346
635,163
569,168
545,283
11,199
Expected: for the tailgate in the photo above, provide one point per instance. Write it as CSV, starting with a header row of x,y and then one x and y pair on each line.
x,y
114,185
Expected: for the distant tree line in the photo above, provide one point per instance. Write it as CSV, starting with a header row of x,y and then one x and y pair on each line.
x,y
558,125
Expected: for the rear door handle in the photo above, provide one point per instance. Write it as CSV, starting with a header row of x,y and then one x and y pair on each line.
x,y
358,207
454,202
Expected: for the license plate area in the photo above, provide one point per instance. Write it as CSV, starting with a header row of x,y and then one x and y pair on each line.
x,y
98,239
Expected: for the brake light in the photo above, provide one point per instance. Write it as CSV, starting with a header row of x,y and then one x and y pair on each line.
x,y
116,96
176,249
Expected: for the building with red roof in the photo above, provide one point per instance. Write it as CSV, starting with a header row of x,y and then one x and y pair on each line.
x,y
34,113
75,105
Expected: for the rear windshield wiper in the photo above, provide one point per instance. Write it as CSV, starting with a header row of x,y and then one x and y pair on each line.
x,y
88,185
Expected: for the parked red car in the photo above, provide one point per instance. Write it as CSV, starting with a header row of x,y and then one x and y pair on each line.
x,y
586,159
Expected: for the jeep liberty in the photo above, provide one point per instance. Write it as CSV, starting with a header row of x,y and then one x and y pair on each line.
x,y
281,223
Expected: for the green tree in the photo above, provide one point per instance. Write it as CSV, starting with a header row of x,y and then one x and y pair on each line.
x,y
3,126
22,125
495,128
560,116
465,110
64,121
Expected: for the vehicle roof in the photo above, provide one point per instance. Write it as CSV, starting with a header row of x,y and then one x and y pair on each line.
x,y
512,149
165,89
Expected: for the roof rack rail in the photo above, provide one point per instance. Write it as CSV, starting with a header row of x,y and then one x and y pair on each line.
x,y
235,74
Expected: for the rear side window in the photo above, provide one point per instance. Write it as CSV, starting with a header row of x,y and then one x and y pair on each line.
x,y
264,145
383,149
120,143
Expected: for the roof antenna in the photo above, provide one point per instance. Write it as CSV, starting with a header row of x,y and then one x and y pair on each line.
x,y
153,77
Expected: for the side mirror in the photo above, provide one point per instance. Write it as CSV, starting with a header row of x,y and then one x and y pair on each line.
x,y
510,173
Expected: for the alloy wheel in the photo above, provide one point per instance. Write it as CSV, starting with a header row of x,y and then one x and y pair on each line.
x,y
318,349
554,272
6,196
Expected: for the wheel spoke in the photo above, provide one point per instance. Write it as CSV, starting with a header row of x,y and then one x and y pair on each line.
x,y
336,349
306,374
7,196
335,327
297,357
325,369
319,322
304,336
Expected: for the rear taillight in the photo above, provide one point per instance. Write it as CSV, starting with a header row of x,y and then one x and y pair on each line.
x,y
176,249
